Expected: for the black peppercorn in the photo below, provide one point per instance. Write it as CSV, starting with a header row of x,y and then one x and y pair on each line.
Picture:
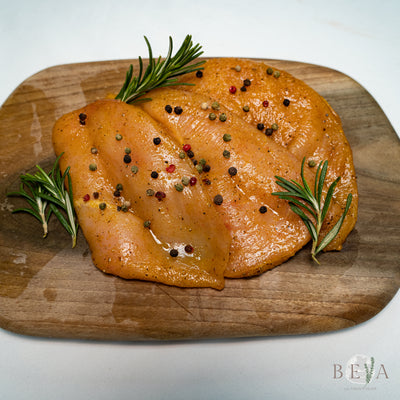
x,y
199,74
174,253
243,89
154,174
269,131
232,171
247,82
218,199
286,102
127,159
190,153
168,109
206,168
178,110
260,126
263,209
157,141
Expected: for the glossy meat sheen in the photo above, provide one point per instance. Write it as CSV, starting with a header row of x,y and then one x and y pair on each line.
x,y
119,242
308,126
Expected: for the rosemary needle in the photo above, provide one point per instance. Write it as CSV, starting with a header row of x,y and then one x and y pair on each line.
x,y
48,189
312,204
160,73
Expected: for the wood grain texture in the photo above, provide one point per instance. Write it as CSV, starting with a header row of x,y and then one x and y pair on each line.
x,y
48,289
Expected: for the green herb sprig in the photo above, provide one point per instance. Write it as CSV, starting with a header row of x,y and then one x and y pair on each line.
x,y
160,73
48,190
306,203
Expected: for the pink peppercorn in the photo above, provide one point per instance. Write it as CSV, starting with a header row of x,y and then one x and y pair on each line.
x,y
232,89
86,197
192,181
170,168
186,147
265,103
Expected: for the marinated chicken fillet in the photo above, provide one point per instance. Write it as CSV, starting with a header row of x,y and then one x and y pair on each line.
x,y
182,199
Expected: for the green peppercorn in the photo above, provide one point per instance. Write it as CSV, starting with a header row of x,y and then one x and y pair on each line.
x,y
182,155
270,71
185,180
226,154
246,108
92,167
312,163
150,192
238,68
202,162
199,168
134,169
179,187
147,224
227,137
212,116
274,126
215,105
93,150
102,206
127,150
118,136
119,187
222,117
277,74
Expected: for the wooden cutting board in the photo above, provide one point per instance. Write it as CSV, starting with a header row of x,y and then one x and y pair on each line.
x,y
48,289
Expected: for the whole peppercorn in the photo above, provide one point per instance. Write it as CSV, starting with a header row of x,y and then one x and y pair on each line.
x,y
238,68
174,253
247,82
117,193
186,147
102,206
182,155
262,209
199,74
189,248
194,162
150,192
118,136
147,224
206,181
246,108
160,195
86,197
269,131
204,106
222,117
95,195
154,174
82,117
232,89
270,71
243,89
260,126
218,200
179,187
206,168
93,150
202,161
226,153
227,137
190,153
215,105
127,159
168,109
277,74
232,171
128,150
134,169
312,163
170,168
199,168
274,126
178,110
185,180
92,167
192,181
265,103
212,116
286,102
119,186
157,141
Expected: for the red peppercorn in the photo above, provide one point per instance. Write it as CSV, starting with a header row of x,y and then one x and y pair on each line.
x,y
189,248
192,181
232,89
186,147
159,195
265,103
86,197
170,168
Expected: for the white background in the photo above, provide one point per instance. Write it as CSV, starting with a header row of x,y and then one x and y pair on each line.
x,y
359,38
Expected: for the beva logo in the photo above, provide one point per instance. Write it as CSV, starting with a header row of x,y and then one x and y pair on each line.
x,y
360,369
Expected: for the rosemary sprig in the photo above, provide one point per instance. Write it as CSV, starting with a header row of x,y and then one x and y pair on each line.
x,y
306,203
160,73
49,189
